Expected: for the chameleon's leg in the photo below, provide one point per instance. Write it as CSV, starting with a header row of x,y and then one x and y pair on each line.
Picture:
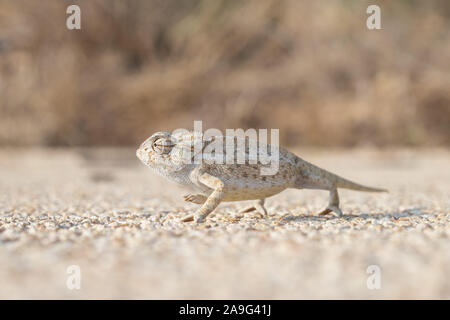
x,y
195,198
210,204
333,205
212,201
258,206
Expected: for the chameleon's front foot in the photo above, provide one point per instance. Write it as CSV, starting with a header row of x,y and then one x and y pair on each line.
x,y
197,218
210,202
188,218
195,198
200,218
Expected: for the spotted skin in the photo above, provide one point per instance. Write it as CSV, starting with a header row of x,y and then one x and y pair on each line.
x,y
186,158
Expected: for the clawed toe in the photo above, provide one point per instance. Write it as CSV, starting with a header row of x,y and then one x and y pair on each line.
x,y
195,198
262,212
330,209
188,218
324,212
196,218
250,209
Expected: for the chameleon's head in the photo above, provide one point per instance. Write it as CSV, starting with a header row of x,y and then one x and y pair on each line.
x,y
155,151
169,154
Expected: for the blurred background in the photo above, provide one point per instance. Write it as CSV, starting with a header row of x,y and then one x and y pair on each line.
x,y
362,103
310,68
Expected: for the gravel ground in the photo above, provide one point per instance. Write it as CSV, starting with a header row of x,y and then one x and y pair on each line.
x,y
103,211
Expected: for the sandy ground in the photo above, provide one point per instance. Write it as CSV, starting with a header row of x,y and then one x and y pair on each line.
x,y
103,211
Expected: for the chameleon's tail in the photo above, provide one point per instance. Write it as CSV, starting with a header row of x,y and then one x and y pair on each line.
x,y
327,180
347,184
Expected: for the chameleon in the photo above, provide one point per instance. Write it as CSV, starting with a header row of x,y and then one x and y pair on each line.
x,y
172,155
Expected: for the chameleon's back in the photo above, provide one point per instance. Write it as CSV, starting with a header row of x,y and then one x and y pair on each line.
x,y
236,161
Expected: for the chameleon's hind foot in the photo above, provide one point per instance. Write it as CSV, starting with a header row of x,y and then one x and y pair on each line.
x,y
330,209
333,205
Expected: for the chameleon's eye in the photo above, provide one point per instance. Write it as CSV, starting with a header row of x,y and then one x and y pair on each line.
x,y
163,145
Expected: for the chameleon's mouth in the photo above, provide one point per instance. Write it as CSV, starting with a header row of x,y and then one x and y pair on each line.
x,y
138,153
165,145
